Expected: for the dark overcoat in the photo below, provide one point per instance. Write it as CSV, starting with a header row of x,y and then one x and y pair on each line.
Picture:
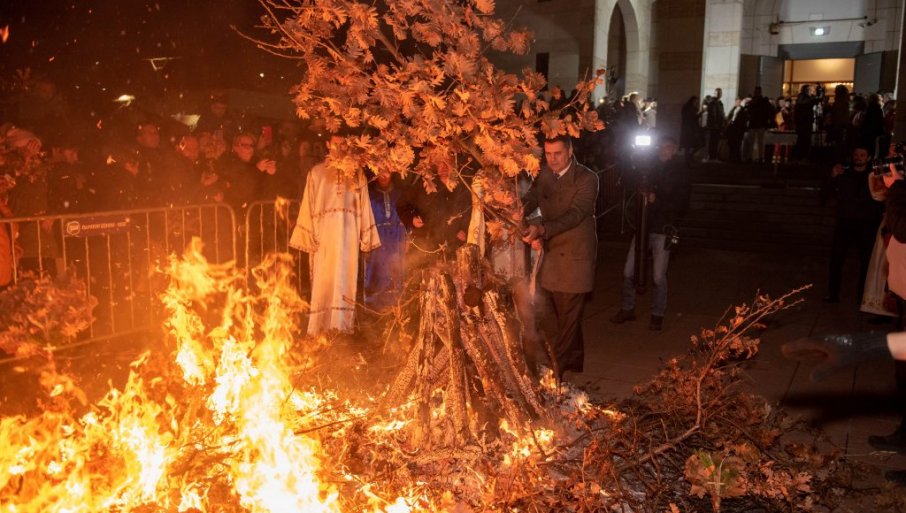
x,y
568,215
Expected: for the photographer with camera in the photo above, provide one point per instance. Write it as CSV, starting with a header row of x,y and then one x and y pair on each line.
x,y
837,352
857,220
665,194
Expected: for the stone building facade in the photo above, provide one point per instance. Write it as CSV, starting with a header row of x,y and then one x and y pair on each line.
x,y
673,49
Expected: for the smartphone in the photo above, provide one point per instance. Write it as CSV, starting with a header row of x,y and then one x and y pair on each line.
x,y
267,134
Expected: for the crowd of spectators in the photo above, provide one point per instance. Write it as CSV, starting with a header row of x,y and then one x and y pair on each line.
x,y
842,120
151,162
52,165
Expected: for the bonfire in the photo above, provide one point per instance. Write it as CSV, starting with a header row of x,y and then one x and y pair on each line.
x,y
233,412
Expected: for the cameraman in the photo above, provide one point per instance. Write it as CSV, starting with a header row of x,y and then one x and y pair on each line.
x,y
667,191
857,220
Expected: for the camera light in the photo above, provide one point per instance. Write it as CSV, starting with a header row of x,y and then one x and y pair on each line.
x,y
643,140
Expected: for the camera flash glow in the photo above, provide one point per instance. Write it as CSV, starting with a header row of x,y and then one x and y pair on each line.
x,y
819,31
643,140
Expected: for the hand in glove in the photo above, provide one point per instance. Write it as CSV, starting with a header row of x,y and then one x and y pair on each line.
x,y
835,352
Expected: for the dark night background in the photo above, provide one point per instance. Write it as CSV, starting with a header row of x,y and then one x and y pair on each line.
x,y
96,50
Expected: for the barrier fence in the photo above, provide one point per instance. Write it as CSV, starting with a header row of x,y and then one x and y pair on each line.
x,y
267,228
116,254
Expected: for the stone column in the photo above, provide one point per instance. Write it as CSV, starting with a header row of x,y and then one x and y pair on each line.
x,y
679,25
899,127
722,46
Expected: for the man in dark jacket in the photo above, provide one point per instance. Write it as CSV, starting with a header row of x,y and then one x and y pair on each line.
x,y
737,121
804,118
715,119
668,195
437,220
760,118
566,192
858,217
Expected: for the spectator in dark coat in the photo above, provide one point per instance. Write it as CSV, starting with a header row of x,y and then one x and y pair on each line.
x,y
804,119
858,217
838,123
438,221
715,122
737,121
760,114
873,125
691,136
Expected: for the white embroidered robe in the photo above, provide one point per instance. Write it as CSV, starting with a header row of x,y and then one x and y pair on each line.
x,y
335,222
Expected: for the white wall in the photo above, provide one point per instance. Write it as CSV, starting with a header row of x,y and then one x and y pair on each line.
x,y
562,28
880,32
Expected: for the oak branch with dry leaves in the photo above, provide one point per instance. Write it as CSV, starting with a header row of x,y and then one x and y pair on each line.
x,y
413,77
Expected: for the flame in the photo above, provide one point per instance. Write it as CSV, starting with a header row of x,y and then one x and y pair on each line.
x,y
136,446
214,423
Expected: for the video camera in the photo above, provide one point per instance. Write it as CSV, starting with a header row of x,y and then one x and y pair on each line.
x,y
893,163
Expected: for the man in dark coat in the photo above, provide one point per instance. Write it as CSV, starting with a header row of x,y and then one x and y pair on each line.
x,y
804,118
439,220
760,118
566,193
715,120
858,217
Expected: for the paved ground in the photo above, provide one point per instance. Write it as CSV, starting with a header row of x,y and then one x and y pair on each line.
x,y
703,284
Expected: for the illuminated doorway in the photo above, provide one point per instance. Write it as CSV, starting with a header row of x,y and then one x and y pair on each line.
x,y
826,73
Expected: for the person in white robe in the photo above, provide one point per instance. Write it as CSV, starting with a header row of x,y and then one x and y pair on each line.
x,y
335,223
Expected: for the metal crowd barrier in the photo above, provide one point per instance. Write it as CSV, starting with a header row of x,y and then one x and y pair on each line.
x,y
117,254
610,192
267,229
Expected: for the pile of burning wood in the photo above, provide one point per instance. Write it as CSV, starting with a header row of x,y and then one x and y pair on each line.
x,y
233,417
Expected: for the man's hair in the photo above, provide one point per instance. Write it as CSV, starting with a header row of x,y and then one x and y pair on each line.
x,y
251,136
564,138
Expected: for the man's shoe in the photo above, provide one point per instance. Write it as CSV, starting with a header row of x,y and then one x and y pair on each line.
x,y
656,323
623,316
890,443
880,319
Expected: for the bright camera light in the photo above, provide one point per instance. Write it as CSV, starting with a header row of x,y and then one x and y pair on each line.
x,y
643,140
819,31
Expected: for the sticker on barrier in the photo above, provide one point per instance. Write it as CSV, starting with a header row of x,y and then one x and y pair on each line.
x,y
97,225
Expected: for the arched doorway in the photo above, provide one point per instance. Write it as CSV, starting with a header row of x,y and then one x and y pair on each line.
x,y
616,55
622,33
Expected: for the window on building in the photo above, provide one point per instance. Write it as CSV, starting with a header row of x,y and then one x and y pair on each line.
x,y
542,64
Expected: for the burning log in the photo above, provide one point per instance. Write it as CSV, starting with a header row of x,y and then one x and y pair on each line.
x,y
467,346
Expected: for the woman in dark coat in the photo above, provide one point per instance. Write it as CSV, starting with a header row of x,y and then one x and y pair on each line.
x,y
692,138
